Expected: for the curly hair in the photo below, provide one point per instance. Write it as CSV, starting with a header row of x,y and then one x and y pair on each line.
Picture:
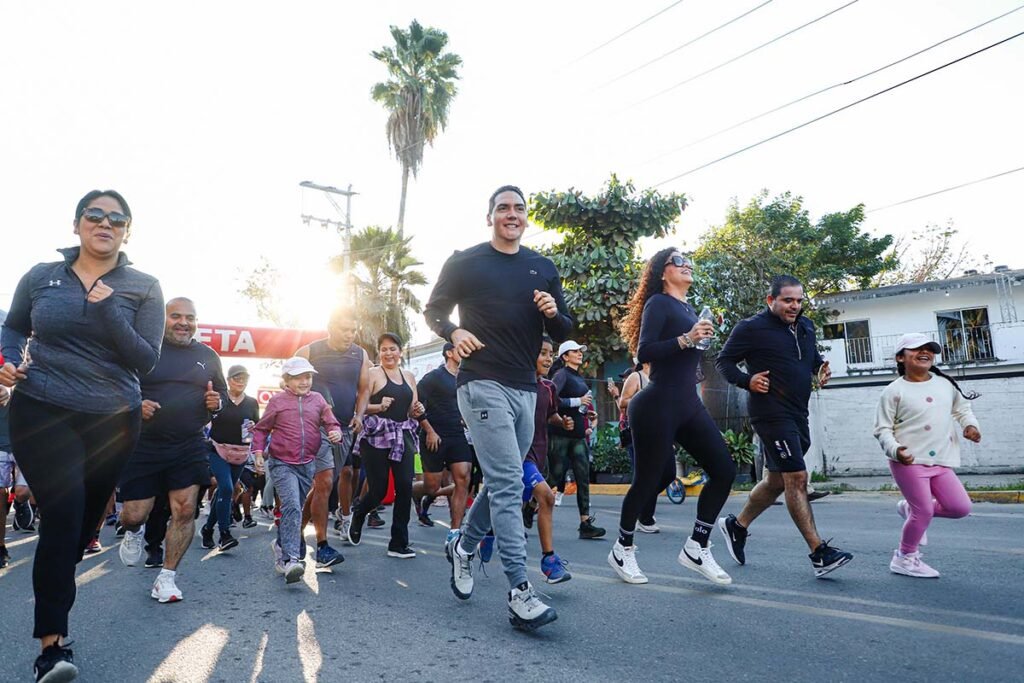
x,y
650,284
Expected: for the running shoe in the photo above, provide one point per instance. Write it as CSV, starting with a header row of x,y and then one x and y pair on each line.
x,y
111,519
355,529
373,520
94,546
337,523
207,534
487,547
558,498
327,557
381,507
699,559
164,588
248,523
236,512
227,541
735,538
651,528
154,558
911,564
5,557
553,568
24,517
279,558
525,610
55,665
903,507
529,511
119,530
293,571
826,559
424,519
452,533
343,530
816,495
404,553
462,568
589,531
131,547
622,559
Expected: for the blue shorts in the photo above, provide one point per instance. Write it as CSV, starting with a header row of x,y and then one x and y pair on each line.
x,y
531,477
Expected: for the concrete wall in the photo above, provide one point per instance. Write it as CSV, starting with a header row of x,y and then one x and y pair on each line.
x,y
842,421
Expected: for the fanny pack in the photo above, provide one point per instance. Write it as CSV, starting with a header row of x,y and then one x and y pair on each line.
x,y
231,453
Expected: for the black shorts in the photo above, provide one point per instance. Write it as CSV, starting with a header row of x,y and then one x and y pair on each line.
x,y
451,450
157,468
784,443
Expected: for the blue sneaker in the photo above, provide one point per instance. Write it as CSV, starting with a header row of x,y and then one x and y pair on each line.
x,y
487,548
452,533
554,569
327,557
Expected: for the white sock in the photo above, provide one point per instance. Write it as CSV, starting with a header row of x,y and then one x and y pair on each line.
x,y
346,518
168,572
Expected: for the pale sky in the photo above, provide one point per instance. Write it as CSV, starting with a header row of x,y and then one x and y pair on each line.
x,y
206,116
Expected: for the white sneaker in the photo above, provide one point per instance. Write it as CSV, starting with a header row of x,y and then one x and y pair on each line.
x,y
558,498
164,588
132,547
648,528
623,560
525,610
699,559
911,564
462,568
903,507
346,524
293,571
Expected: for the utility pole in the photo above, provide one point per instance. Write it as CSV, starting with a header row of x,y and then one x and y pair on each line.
x,y
345,228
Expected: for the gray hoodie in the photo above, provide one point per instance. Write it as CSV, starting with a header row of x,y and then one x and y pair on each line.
x,y
84,357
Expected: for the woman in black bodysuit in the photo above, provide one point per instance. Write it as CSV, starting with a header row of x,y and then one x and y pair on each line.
x,y
663,329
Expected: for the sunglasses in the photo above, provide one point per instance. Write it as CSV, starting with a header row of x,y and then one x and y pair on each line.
x,y
679,261
96,215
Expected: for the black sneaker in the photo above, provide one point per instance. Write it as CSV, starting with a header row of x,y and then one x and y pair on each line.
x,y
825,559
817,495
24,517
589,531
119,530
735,537
236,512
528,512
226,542
248,523
355,531
154,558
374,521
5,557
404,553
55,665
207,538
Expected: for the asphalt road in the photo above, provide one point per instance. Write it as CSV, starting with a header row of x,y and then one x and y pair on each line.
x,y
376,618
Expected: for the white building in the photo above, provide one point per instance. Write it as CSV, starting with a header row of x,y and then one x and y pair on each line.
x,y
974,318
422,358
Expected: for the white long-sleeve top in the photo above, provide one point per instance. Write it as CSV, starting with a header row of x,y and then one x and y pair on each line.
x,y
923,417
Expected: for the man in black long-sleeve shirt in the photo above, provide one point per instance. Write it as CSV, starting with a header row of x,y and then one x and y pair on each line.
x,y
779,348
172,456
507,296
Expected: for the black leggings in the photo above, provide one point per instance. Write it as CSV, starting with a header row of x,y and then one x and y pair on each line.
x,y
72,462
376,464
658,418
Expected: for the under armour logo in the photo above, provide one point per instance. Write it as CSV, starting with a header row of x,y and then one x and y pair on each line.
x,y
55,283
202,365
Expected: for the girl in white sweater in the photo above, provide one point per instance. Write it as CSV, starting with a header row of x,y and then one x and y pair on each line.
x,y
917,426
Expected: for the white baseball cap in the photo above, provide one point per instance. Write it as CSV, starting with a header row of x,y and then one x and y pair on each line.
x,y
297,365
570,345
916,340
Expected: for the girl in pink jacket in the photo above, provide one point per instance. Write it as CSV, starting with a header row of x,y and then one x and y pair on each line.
x,y
294,417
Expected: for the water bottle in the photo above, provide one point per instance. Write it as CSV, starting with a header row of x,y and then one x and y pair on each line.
x,y
247,426
583,407
705,314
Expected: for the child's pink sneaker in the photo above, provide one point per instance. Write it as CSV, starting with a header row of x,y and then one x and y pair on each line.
x,y
911,564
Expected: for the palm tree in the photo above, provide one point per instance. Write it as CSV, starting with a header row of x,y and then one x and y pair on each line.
x,y
383,277
418,93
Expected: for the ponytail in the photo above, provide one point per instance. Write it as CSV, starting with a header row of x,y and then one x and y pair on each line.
x,y
970,396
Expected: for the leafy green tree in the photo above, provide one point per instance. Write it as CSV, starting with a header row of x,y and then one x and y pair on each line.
x,y
260,285
383,277
736,261
931,253
417,95
597,256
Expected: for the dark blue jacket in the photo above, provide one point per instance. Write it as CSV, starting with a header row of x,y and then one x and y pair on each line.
x,y
791,355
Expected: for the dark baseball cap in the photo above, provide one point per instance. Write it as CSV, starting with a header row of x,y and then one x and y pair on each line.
x,y
237,370
448,346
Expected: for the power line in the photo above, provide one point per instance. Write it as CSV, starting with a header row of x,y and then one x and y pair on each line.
x,y
831,87
948,189
745,54
684,45
836,111
632,28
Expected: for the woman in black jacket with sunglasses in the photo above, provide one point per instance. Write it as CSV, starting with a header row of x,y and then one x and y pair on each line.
x,y
79,335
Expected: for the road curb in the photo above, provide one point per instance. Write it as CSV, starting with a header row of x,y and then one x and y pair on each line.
x,y
997,496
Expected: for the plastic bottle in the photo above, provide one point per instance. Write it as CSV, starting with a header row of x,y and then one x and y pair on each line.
x,y
705,314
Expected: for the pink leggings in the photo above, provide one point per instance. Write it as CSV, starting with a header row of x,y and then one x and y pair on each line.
x,y
930,492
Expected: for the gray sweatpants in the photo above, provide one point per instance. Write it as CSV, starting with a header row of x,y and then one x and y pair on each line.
x,y
292,483
500,422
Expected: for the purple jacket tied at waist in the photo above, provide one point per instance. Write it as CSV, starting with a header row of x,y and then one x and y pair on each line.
x,y
380,432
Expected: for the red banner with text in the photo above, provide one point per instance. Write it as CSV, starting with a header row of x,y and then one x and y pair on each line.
x,y
255,342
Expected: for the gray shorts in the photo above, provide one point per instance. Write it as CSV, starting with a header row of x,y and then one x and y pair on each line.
x,y
7,476
334,456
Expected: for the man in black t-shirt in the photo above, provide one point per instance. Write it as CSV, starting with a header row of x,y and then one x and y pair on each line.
x,y
172,456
